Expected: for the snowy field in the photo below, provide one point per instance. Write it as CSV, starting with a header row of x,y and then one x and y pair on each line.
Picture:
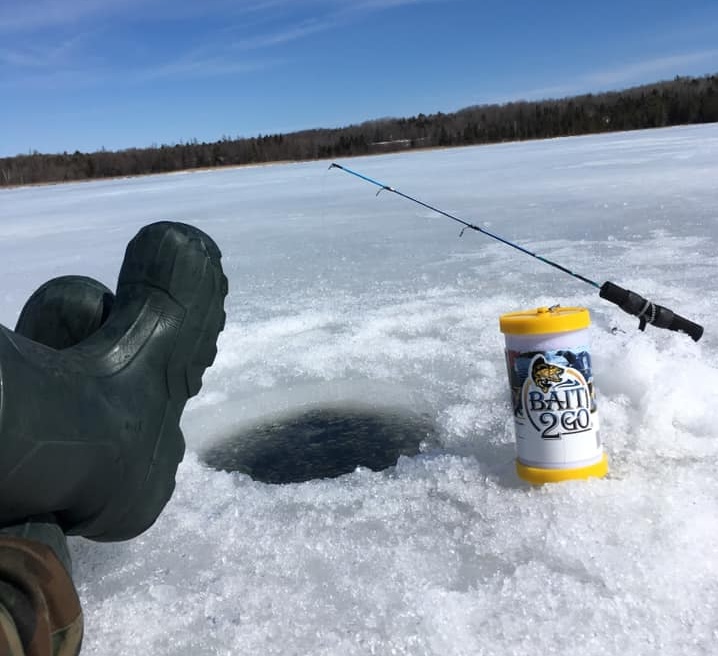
x,y
351,316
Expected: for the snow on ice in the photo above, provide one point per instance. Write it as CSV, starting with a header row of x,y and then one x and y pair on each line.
x,y
373,312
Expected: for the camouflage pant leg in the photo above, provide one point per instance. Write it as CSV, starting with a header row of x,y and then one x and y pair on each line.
x,y
40,612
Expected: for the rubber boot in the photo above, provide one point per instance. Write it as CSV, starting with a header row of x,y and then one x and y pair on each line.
x,y
91,433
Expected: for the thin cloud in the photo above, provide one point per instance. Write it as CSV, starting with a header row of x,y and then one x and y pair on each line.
x,y
220,58
22,58
23,16
218,54
336,17
388,4
194,68
20,15
67,78
650,68
647,71
283,36
46,55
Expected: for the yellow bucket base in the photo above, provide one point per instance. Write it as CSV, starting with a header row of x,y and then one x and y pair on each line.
x,y
539,476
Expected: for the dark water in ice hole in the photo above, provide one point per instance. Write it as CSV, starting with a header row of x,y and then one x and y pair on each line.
x,y
322,443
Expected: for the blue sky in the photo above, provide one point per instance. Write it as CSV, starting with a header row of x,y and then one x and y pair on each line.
x,y
87,74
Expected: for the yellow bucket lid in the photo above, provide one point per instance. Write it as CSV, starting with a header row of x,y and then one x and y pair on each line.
x,y
543,320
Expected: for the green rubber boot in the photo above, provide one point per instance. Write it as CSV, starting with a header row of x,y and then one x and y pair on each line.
x,y
91,433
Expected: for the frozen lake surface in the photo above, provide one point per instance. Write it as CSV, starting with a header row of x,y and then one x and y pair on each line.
x,y
365,324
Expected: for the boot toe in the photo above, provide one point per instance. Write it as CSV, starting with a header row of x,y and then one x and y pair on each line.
x,y
185,263
173,257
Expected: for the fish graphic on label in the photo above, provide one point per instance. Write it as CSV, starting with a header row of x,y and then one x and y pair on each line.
x,y
556,407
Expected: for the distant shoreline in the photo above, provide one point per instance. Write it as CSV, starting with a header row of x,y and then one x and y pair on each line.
x,y
682,101
230,167
52,183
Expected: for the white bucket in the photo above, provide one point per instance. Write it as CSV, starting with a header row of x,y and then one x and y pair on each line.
x,y
549,367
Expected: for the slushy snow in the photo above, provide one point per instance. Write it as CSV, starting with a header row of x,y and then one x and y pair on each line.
x,y
340,299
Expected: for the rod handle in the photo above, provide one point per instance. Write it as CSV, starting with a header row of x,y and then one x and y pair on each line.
x,y
649,312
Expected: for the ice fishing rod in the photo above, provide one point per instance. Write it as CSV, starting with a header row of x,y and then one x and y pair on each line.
x,y
630,302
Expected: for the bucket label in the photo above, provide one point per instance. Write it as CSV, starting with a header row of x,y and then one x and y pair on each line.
x,y
554,408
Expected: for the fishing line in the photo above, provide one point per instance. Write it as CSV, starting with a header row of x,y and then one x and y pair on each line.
x,y
630,302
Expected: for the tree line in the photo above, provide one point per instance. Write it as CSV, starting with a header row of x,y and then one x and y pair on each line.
x,y
684,100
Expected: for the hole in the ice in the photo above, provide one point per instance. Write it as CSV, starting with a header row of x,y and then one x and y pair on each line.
x,y
322,443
